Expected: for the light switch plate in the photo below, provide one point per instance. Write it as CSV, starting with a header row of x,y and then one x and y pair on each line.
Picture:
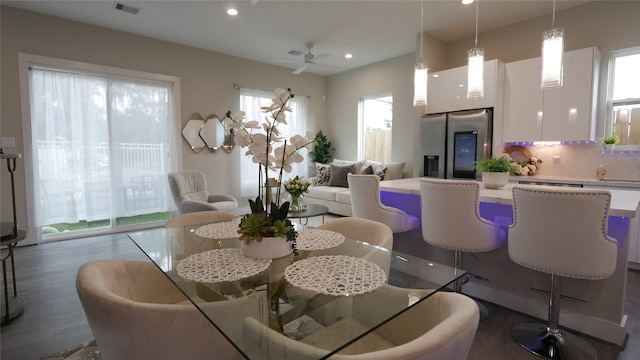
x,y
8,142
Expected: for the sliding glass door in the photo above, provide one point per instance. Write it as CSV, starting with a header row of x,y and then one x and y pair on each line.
x,y
102,149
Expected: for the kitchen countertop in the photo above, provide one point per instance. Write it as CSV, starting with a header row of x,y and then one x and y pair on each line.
x,y
624,202
576,181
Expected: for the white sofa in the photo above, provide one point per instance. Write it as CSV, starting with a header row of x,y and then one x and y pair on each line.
x,y
338,198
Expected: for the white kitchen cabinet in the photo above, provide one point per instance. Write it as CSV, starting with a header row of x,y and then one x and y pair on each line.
x,y
555,114
447,89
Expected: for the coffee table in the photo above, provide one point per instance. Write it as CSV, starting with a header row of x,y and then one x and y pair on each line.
x,y
311,211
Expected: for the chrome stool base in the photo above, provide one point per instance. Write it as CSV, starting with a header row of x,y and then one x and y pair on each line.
x,y
564,345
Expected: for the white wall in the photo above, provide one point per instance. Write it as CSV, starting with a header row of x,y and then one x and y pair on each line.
x,y
608,25
207,80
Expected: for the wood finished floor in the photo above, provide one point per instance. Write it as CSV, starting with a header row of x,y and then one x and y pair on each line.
x,y
54,320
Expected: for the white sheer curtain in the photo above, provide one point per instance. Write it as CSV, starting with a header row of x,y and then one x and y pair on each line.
x,y
100,146
250,103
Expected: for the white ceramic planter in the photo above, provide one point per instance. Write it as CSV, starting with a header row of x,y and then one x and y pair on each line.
x,y
268,248
495,180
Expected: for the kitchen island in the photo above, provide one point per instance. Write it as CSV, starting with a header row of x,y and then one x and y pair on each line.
x,y
593,307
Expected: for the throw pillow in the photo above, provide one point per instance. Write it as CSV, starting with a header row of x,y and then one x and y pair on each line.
x,y
338,175
323,174
381,171
394,170
366,170
358,164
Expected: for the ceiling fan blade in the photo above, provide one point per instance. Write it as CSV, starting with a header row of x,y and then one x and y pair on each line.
x,y
286,61
301,68
320,56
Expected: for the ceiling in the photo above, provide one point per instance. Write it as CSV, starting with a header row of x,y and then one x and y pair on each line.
x,y
267,30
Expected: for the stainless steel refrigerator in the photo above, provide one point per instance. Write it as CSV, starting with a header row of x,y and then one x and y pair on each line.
x,y
451,143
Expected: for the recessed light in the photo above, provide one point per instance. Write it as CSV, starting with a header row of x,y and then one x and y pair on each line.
x,y
467,2
348,56
232,12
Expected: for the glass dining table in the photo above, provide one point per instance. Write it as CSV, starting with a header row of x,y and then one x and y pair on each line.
x,y
329,295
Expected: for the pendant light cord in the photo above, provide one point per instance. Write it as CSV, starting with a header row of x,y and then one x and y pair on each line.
x,y
421,27
553,17
477,1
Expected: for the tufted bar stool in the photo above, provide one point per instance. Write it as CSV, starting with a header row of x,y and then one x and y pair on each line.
x,y
451,220
365,203
561,232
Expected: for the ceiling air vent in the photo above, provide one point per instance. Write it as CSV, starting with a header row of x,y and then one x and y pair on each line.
x,y
126,8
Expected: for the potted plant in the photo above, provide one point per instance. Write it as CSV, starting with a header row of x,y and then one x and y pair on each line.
x,y
610,141
495,171
321,152
266,232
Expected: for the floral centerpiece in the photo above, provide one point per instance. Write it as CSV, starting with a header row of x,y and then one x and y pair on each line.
x,y
271,152
296,187
526,167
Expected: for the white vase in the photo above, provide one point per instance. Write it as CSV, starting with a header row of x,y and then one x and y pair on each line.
x,y
495,180
268,248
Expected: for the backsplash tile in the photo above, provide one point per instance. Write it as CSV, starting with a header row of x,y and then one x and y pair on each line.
x,y
582,161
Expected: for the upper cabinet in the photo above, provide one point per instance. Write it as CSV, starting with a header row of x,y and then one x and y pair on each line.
x,y
447,89
555,114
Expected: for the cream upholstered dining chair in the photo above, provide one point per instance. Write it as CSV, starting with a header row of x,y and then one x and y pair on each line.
x,y
440,327
189,190
200,217
451,219
365,203
373,232
135,312
369,231
561,232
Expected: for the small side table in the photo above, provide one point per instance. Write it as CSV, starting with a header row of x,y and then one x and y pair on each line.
x,y
13,306
10,236
311,211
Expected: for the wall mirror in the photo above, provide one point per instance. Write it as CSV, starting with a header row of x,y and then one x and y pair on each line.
x,y
191,132
228,143
212,133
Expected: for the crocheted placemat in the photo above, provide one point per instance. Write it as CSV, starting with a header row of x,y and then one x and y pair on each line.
x,y
318,239
336,275
221,230
220,265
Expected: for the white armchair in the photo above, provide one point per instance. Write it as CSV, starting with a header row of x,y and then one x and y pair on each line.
x,y
135,312
189,189
440,327
365,203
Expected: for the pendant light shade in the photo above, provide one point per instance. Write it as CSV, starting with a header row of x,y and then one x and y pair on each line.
x,y
420,71
475,77
552,49
475,68
420,85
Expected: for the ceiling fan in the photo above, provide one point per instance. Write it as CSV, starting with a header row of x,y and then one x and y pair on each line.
x,y
309,59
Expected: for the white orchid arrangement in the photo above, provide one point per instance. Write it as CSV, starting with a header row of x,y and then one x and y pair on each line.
x,y
270,151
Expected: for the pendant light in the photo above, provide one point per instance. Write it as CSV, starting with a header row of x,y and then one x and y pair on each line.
x,y
420,71
552,49
475,76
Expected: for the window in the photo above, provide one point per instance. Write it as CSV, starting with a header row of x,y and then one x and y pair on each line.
x,y
376,115
250,102
102,146
624,96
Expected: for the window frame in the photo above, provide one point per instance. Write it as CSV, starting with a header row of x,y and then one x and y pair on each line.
x,y
361,123
610,103
25,62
